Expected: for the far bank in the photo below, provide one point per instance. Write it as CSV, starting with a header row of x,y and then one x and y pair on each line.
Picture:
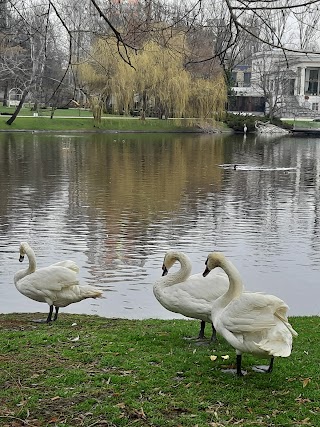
x,y
111,124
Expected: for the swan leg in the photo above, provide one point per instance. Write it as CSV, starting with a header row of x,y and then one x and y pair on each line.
x,y
238,370
56,314
201,335
265,369
270,365
239,361
49,318
214,334
201,332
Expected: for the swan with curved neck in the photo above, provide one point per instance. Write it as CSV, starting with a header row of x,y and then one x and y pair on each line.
x,y
251,322
57,285
189,295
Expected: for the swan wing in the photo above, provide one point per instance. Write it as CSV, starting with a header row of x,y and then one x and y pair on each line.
x,y
49,279
199,288
67,264
252,312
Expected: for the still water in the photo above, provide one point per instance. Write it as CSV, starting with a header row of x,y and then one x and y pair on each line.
x,y
116,203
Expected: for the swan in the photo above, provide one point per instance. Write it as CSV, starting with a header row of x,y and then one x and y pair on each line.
x,y
253,323
57,284
191,296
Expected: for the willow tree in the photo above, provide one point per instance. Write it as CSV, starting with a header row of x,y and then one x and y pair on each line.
x,y
106,78
123,86
157,74
207,97
160,75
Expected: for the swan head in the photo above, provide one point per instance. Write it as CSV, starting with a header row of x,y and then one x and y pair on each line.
x,y
24,248
169,259
215,259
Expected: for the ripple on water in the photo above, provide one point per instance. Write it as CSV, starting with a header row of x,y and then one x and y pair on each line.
x,y
118,222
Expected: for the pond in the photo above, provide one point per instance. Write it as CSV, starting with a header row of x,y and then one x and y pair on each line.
x,y
115,203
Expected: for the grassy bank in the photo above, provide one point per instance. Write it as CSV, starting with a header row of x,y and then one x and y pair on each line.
x,y
309,124
91,371
82,121
86,124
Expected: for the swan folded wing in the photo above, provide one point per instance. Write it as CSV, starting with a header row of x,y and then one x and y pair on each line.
x,y
208,288
67,264
251,312
49,279
180,301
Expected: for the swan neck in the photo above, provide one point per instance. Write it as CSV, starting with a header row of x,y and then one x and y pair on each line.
x,y
235,283
31,267
178,276
32,261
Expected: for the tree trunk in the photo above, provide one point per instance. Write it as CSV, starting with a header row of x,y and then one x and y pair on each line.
x,y
17,110
53,109
5,95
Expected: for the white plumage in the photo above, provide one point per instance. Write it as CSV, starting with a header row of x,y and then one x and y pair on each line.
x,y
251,322
57,285
190,295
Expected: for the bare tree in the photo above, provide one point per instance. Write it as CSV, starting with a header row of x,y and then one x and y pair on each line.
x,y
307,21
271,79
234,29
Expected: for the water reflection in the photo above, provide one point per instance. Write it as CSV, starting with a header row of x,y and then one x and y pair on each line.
x,y
116,203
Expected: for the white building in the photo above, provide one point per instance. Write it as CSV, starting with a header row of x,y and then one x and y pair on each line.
x,y
288,81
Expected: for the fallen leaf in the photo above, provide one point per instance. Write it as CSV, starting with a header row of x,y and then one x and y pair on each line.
x,y
305,382
120,405
226,357
75,339
56,398
302,400
213,357
53,420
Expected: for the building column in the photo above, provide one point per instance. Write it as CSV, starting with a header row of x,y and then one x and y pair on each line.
x,y
302,80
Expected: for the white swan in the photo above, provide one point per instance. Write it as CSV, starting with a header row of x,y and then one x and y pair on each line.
x,y
251,322
57,285
191,296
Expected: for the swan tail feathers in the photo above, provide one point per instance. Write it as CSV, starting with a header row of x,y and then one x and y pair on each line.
x,y
275,348
285,321
90,292
293,332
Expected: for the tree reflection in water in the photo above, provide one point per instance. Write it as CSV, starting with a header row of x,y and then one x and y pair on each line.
x,y
116,203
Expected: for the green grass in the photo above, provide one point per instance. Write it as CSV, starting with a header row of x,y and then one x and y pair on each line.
x,y
86,124
92,371
303,123
74,112
73,119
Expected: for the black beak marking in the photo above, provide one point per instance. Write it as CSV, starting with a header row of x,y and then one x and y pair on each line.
x,y
206,272
164,270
